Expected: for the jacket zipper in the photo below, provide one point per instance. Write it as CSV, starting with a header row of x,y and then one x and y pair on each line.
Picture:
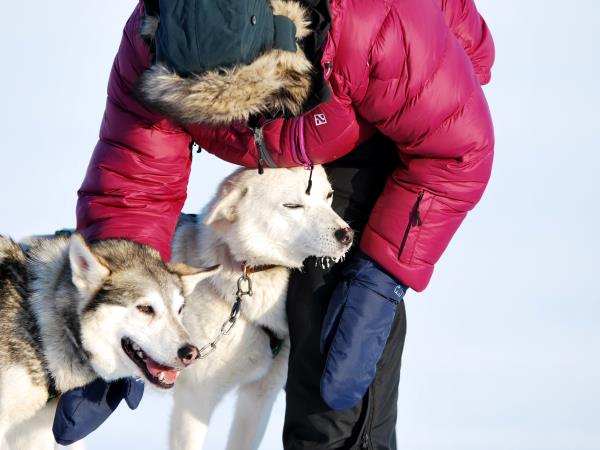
x,y
365,438
263,152
294,142
298,149
413,220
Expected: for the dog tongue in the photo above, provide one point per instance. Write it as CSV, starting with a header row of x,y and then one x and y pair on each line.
x,y
170,374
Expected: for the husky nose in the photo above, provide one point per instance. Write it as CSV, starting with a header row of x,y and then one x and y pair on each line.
x,y
344,235
188,354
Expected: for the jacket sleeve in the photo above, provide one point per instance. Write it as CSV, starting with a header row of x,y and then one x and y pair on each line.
x,y
428,99
472,32
282,138
135,184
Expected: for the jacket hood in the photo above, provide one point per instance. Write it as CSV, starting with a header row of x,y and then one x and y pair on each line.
x,y
276,82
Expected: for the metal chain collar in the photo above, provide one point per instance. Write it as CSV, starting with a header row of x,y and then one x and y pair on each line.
x,y
243,282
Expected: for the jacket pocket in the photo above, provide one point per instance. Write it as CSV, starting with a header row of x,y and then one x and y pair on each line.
x,y
409,239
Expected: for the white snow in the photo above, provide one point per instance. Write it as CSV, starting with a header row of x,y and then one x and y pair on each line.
x,y
502,348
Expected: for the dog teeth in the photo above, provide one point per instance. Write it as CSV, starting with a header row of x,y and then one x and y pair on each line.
x,y
161,376
140,354
135,346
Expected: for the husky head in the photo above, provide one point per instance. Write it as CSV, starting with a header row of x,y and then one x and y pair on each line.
x,y
271,219
130,306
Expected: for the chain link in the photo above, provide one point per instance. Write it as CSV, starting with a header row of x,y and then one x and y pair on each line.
x,y
243,282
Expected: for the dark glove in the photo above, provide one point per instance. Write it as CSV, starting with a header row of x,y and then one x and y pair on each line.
x,y
82,410
355,330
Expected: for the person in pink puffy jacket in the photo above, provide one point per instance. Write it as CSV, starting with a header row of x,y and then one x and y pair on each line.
x,y
386,93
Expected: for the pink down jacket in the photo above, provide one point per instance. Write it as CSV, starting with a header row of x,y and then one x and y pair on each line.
x,y
410,69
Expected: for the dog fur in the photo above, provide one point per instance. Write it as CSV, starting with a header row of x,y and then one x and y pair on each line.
x,y
263,220
278,81
66,309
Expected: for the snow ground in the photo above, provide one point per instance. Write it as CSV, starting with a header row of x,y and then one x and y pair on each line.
x,y
502,349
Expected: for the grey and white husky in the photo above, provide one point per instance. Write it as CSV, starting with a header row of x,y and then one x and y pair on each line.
x,y
268,224
72,312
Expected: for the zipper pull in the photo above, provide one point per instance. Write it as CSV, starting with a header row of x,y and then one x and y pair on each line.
x,y
417,215
308,189
263,153
365,441
194,147
258,142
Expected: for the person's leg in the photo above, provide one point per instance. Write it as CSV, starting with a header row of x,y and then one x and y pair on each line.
x,y
309,422
380,431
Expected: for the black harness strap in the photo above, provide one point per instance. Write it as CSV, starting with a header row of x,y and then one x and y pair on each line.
x,y
275,342
52,391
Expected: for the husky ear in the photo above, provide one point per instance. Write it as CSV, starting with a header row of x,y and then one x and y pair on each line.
x,y
191,276
87,273
226,207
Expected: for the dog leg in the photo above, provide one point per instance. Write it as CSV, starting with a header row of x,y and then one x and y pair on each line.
x,y
254,405
20,399
35,432
192,409
3,430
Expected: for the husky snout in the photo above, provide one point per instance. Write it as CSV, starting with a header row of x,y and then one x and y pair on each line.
x,y
188,354
135,326
344,236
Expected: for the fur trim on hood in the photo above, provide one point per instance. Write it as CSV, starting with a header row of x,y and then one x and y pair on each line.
x,y
278,81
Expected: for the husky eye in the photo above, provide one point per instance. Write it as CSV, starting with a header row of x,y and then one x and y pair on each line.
x,y
329,195
146,309
180,309
293,205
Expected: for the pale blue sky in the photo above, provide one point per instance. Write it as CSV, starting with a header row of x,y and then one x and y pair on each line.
x,y
503,348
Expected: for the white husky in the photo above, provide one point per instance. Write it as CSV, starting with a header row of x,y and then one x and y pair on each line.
x,y
269,224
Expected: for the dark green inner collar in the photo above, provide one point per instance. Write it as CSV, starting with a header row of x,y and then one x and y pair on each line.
x,y
285,34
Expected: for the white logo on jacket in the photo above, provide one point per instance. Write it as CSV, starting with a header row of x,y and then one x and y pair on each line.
x,y
320,119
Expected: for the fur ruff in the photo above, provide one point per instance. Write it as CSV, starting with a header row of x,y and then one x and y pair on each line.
x,y
277,81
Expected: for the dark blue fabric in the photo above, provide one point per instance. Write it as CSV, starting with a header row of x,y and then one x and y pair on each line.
x,y
356,327
80,411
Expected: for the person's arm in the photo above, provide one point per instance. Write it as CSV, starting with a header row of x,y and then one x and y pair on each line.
x,y
135,185
423,93
429,100
134,188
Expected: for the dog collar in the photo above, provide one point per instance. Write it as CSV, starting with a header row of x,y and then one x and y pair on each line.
x,y
249,270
